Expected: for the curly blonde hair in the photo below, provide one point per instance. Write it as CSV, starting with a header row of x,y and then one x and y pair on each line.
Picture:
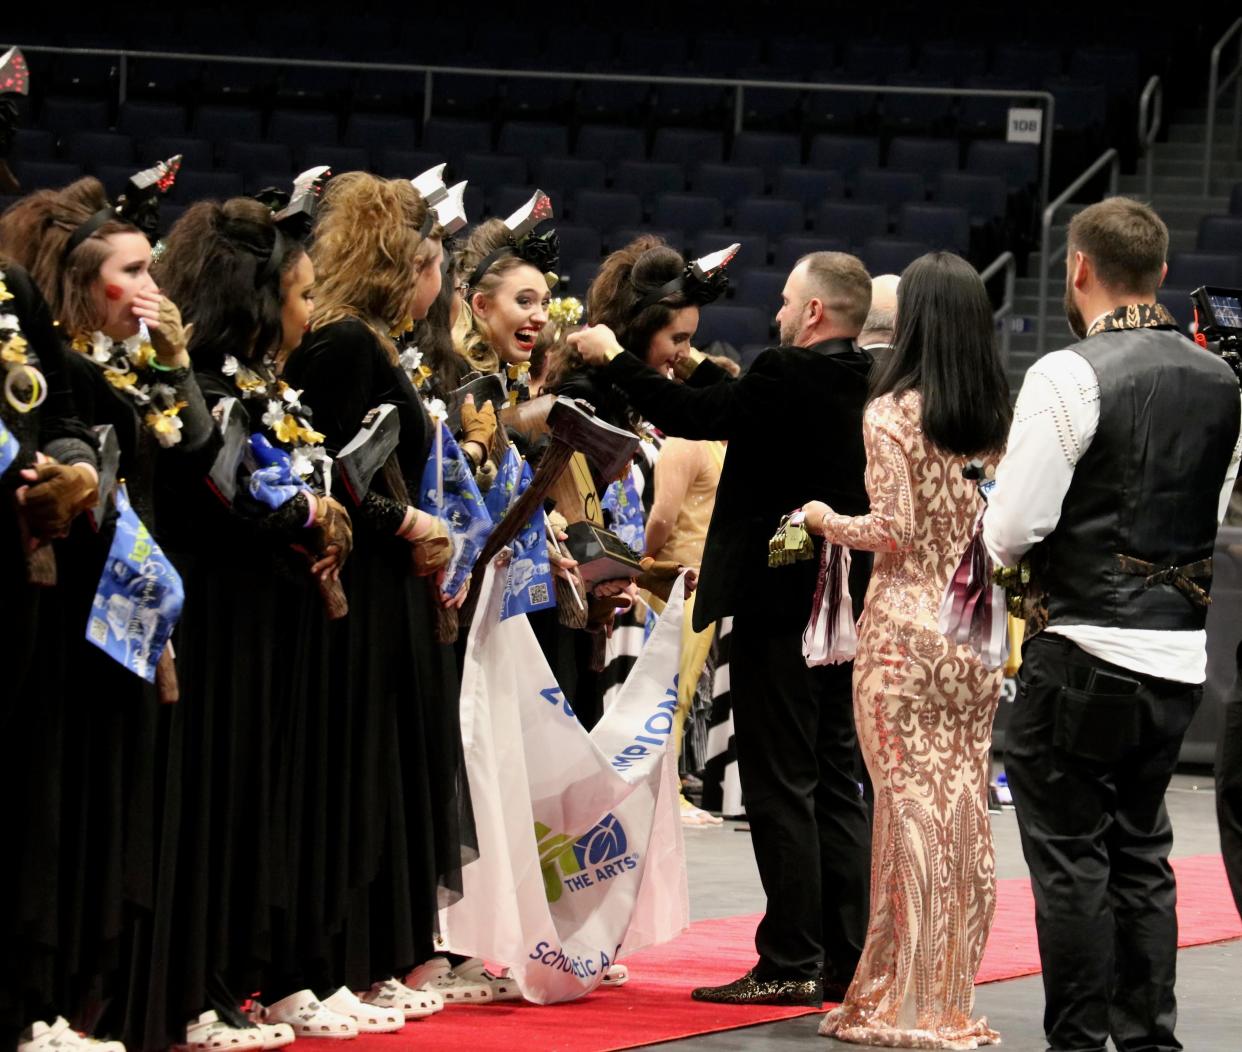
x,y
34,233
368,252
470,340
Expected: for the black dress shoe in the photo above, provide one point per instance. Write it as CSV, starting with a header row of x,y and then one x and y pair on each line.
x,y
751,990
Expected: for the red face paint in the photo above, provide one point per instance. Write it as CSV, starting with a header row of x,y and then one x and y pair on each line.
x,y
113,292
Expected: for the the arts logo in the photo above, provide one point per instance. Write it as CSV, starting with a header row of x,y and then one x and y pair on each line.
x,y
598,855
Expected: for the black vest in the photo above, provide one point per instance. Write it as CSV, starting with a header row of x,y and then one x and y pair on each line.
x,y
1148,486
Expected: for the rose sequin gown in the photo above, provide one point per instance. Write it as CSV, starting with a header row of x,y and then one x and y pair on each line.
x,y
923,708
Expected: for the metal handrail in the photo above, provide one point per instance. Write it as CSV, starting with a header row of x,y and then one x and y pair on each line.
x,y
1215,87
1149,127
1110,159
429,71
1009,263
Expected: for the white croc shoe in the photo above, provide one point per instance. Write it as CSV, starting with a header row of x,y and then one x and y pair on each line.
x,y
437,975
307,1016
210,1033
504,986
275,1035
394,994
369,1018
59,1036
615,975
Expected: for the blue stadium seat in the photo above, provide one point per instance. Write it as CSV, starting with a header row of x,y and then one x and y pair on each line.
x,y
950,61
928,157
809,185
1179,305
505,200
529,98
292,128
687,146
228,123
845,153
687,211
981,115
753,251
937,226
600,142
851,221
389,90
791,249
773,217
34,144
1235,200
569,174
622,236
198,186
338,158
797,57
1016,162
489,170
46,175
844,110
600,101
249,158
760,287
723,56
195,153
1080,104
452,138
377,132
891,189
580,245
913,112
607,209
405,164
735,325
772,107
62,116
465,95
163,78
880,57
767,150
728,183
884,255
1189,270
639,48
692,104
114,177
1116,68
94,148
1025,65
533,140
984,196
649,179
149,119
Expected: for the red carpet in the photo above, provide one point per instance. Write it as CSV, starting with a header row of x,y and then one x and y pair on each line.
x,y
655,1004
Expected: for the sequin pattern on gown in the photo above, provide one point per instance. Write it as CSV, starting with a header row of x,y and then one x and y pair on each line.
x,y
924,711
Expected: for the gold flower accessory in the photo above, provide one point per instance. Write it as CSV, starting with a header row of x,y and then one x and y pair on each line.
x,y
13,348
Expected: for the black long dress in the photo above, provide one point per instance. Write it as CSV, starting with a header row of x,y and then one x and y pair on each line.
x,y
40,958
92,759
386,824
250,621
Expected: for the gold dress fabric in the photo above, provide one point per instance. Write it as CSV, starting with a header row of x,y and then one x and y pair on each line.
x,y
923,708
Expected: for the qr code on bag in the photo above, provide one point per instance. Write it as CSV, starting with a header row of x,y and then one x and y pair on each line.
x,y
97,630
537,593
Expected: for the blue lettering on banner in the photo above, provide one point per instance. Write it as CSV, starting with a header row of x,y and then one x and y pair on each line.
x,y
658,726
583,967
554,696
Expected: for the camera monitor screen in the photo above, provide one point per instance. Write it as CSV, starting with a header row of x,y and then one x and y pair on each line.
x,y
1226,310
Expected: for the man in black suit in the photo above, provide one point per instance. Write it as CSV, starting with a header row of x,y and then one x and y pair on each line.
x,y
794,428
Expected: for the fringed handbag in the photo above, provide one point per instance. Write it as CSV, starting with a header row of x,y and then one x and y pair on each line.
x,y
972,611
831,637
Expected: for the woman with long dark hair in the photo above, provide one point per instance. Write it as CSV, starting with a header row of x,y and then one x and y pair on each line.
x,y
923,705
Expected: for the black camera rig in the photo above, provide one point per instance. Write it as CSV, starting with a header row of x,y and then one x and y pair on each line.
x,y
1218,323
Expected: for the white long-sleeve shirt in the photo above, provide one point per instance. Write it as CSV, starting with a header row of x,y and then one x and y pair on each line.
x,y
1055,419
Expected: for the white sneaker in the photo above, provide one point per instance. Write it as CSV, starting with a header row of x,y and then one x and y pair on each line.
x,y
210,1033
394,994
306,1016
438,976
503,986
370,1019
58,1036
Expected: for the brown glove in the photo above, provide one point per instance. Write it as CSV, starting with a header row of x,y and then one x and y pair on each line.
x,y
170,338
58,494
332,526
433,550
478,425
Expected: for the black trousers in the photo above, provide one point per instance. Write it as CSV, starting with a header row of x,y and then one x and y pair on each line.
x,y
1089,762
1229,788
794,729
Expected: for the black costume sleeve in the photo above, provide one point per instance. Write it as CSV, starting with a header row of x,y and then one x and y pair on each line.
x,y
343,374
718,410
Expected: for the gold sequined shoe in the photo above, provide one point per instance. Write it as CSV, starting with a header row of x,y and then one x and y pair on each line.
x,y
751,990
